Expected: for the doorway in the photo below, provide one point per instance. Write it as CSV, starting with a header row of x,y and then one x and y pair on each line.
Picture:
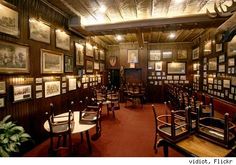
x,y
114,78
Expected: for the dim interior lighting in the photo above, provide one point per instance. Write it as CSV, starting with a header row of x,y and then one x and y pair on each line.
x,y
179,1
172,35
102,8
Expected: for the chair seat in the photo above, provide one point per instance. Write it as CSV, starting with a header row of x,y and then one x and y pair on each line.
x,y
61,127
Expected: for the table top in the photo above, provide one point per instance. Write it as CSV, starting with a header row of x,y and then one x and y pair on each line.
x,y
77,127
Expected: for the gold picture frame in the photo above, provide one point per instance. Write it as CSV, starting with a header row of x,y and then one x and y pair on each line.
x,y
62,39
133,56
52,88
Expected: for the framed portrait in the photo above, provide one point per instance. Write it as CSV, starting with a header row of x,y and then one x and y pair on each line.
x,y
14,58
218,47
51,61
195,53
79,54
226,83
101,55
231,62
212,64
39,31
2,102
158,66
176,68
69,63
102,67
151,65
89,49
72,84
96,65
52,88
2,87
167,54
155,55
132,56
182,54
232,47
22,92
62,40
9,19
207,48
221,58
89,66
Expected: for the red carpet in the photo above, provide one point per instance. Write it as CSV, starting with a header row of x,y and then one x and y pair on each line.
x,y
130,134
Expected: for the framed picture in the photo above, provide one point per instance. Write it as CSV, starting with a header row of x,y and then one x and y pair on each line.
x,y
218,47
232,47
22,92
39,31
2,102
155,55
226,83
176,68
13,58
196,66
212,64
52,88
167,54
222,68
182,54
96,54
158,66
96,65
112,60
9,19
231,62
62,40
221,58
89,66
79,54
39,87
72,84
38,80
69,64
233,81
102,55
132,56
51,61
39,95
89,49
195,53
207,48
79,84
102,67
151,65
2,87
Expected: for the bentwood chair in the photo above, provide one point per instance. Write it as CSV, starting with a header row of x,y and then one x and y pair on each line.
x,y
60,127
113,102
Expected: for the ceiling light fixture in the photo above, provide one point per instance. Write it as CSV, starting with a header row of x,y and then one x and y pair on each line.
x,y
179,1
119,37
102,9
172,35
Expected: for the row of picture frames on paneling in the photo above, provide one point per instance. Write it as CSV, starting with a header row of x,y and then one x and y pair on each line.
x,y
172,67
152,82
14,58
158,55
50,86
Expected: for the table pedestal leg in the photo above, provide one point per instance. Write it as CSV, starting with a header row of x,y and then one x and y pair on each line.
x,y
88,142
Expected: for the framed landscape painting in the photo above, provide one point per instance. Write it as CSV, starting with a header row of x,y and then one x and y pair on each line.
x,y
39,31
212,64
176,68
155,55
51,61
182,54
9,19
167,54
79,54
22,92
62,40
14,58
89,50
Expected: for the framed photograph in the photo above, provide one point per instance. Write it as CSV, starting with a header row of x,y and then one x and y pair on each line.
x,y
167,54
64,85
62,40
155,55
79,54
39,87
196,66
231,62
102,67
226,83
63,91
69,63
38,80
89,66
221,58
72,84
176,68
207,48
232,47
39,31
52,88
2,102
14,58
212,64
9,19
51,61
158,66
96,54
182,54
39,95
96,65
2,87
218,47
101,55
89,49
22,92
132,56
233,81
222,68
195,53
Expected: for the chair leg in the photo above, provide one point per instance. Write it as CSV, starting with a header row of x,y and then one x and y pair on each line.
x,y
82,137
